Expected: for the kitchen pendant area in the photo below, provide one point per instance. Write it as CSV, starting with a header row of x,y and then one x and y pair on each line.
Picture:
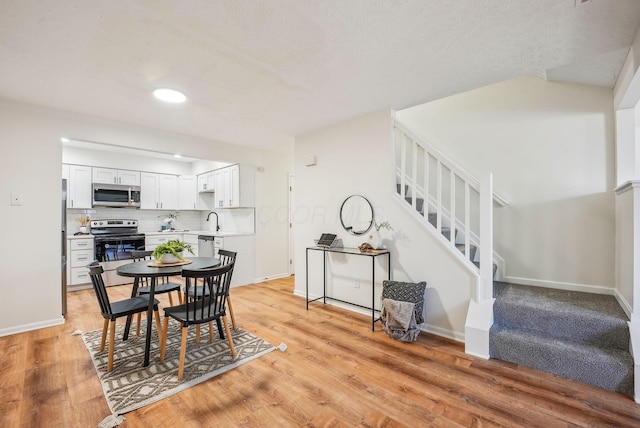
x,y
164,197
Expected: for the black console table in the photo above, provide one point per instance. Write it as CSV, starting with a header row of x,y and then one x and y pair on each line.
x,y
373,254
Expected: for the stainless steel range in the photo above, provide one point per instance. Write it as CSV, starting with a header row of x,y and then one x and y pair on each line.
x,y
114,241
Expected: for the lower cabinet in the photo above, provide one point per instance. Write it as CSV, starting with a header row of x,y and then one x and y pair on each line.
x,y
151,242
193,241
79,254
244,270
244,245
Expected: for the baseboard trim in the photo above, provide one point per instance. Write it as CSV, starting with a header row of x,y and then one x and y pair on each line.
x,y
72,288
626,307
270,277
439,331
427,328
30,327
597,289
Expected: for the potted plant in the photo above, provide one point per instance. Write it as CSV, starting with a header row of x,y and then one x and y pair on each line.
x,y
171,251
170,219
374,240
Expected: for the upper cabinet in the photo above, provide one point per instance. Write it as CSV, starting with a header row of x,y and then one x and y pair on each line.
x,y
228,187
158,191
79,187
206,182
116,176
187,192
234,186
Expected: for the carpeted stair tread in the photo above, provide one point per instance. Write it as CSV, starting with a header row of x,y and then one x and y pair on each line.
x,y
587,318
419,202
433,219
607,368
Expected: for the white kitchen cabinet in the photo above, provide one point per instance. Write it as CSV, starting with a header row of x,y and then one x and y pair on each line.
x,y
244,271
158,191
206,182
187,192
221,187
193,241
79,254
79,187
235,186
152,241
116,176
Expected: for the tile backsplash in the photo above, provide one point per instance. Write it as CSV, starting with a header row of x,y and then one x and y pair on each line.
x,y
230,220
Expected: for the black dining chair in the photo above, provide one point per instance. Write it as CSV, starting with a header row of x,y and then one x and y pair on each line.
x,y
210,307
226,257
163,286
111,311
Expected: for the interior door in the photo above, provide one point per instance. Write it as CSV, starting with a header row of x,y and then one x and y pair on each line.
x,y
291,224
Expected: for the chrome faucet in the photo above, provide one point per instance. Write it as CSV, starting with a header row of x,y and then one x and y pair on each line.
x,y
209,215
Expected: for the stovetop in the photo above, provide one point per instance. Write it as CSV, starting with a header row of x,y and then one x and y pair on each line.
x,y
115,228
113,223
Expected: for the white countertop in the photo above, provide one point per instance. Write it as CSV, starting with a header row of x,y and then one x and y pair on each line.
x,y
198,232
190,232
85,236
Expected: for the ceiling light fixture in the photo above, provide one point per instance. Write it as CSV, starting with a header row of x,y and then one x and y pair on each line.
x,y
169,95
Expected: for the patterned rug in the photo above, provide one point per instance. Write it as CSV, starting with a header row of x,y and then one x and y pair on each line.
x,y
130,386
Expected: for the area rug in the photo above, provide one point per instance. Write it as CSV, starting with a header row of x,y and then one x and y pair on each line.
x,y
130,386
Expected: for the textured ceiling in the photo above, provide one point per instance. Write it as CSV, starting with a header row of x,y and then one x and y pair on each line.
x,y
258,72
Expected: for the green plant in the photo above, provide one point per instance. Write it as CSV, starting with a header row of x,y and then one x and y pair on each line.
x,y
383,225
174,247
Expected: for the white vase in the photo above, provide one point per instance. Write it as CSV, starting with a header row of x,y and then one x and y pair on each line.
x,y
374,239
170,258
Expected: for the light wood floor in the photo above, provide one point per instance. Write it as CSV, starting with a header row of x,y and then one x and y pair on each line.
x,y
335,372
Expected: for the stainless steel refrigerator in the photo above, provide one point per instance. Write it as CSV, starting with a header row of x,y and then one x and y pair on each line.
x,y
64,247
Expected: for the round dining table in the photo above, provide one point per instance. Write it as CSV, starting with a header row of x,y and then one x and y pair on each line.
x,y
141,269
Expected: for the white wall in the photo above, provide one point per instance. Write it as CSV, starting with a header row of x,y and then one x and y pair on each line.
x,y
355,157
106,159
32,155
30,264
550,147
626,234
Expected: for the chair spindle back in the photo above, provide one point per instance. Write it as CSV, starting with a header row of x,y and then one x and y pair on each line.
x,y
95,272
216,281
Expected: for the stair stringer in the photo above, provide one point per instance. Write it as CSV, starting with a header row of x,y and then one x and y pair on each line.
x,y
459,256
473,239
634,345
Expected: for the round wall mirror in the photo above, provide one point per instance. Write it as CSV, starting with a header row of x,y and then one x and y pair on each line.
x,y
356,215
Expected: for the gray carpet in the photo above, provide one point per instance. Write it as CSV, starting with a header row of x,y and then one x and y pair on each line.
x,y
580,336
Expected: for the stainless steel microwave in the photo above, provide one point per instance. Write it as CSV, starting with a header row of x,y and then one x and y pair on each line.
x,y
116,195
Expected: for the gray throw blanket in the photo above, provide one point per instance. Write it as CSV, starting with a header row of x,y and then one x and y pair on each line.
x,y
399,320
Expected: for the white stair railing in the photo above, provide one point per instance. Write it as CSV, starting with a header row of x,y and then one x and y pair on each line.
x,y
450,200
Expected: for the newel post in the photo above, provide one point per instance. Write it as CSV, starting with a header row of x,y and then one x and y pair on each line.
x,y
485,291
480,312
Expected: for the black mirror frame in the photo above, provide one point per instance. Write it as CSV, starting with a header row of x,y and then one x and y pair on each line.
x,y
349,229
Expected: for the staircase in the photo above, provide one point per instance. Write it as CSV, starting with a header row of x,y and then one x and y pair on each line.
x,y
579,336
445,198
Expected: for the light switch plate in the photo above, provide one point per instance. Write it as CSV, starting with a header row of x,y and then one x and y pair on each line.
x,y
16,199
